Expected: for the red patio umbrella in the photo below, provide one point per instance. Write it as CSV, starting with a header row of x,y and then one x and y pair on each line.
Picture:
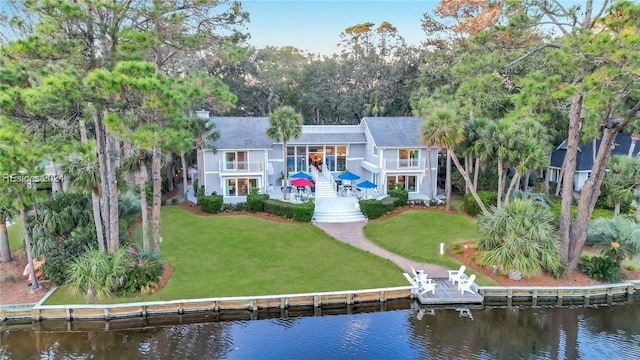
x,y
301,182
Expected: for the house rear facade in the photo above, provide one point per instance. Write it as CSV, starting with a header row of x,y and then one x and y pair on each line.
x,y
384,150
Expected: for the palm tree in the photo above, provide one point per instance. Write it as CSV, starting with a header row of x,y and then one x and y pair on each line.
x,y
138,162
203,131
284,124
83,172
520,239
616,239
445,130
621,181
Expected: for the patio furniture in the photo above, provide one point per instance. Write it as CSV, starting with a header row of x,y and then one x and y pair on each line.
x,y
427,285
466,284
457,275
418,274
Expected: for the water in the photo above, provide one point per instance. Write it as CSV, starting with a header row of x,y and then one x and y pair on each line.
x,y
610,332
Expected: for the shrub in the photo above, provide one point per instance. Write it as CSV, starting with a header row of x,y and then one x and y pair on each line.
x,y
304,212
401,194
211,204
371,208
631,268
255,200
488,198
98,274
602,269
585,257
390,203
279,208
174,201
144,274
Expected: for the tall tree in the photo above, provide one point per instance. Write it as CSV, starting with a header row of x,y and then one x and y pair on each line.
x,y
284,124
7,212
443,128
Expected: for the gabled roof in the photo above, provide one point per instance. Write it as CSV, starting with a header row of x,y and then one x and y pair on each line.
x,y
242,133
395,131
584,158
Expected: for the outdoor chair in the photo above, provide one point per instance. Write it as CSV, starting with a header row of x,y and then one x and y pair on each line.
x,y
457,275
466,284
426,285
418,274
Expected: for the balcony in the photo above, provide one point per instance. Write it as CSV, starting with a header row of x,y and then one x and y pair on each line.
x,y
405,164
242,167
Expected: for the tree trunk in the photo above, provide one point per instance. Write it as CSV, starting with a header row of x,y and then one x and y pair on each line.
x,y
5,251
500,182
561,175
56,184
632,147
144,207
589,196
200,163
468,168
27,244
514,180
525,181
616,209
570,158
183,160
431,187
547,177
472,188
285,171
476,172
112,182
104,179
83,131
157,199
97,219
447,181
170,171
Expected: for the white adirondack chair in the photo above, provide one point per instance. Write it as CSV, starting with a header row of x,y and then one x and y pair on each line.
x,y
466,284
427,285
418,274
457,275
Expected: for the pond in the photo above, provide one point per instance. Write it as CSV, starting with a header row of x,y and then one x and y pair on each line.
x,y
404,331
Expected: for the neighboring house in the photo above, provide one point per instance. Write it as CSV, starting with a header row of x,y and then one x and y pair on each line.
x,y
585,158
385,151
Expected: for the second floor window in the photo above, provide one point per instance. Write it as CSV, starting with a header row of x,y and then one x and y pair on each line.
x,y
408,158
235,160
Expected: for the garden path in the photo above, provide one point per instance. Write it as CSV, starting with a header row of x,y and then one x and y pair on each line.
x,y
352,234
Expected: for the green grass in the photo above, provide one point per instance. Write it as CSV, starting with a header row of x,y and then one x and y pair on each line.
x,y
243,255
417,235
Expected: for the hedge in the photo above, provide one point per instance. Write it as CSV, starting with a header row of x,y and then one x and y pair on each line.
x,y
401,194
255,201
371,208
211,204
299,212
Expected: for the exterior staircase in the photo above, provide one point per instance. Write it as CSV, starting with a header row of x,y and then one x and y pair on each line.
x,y
333,209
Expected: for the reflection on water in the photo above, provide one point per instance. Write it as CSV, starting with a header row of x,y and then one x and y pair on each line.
x,y
411,332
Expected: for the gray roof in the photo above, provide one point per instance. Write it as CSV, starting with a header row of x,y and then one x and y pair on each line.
x,y
331,138
242,133
584,158
395,131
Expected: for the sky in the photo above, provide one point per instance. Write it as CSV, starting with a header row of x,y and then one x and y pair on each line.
x,y
315,25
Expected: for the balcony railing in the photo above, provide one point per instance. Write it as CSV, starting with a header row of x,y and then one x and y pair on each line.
x,y
241,166
400,164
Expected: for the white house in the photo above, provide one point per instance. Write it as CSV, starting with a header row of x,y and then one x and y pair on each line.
x,y
384,150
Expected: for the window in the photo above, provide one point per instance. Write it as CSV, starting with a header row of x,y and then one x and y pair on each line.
x,y
408,158
239,186
375,150
236,160
409,182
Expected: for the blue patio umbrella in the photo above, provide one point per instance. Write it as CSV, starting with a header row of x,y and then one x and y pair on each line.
x,y
367,185
348,175
300,175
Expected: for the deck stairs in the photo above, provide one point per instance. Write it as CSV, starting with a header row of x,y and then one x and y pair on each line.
x,y
333,209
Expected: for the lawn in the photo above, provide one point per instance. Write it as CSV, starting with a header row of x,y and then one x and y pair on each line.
x,y
243,255
417,235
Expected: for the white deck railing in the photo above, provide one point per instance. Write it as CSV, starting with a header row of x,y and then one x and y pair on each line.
x,y
241,166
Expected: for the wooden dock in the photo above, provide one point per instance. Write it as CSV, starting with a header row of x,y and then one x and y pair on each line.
x,y
446,293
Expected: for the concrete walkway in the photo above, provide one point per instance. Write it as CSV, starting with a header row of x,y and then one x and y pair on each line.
x,y
352,234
